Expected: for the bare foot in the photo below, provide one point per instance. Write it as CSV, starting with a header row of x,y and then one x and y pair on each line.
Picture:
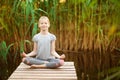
x,y
38,66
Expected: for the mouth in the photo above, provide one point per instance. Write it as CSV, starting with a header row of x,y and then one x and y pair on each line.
x,y
43,26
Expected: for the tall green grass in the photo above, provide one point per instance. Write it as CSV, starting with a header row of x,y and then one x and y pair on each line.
x,y
90,27
4,50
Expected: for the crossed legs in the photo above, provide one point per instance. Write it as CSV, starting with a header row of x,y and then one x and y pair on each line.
x,y
38,63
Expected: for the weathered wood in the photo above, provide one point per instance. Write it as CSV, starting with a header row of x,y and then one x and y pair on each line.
x,y
24,72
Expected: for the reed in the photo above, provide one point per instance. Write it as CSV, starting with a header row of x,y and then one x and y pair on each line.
x,y
87,31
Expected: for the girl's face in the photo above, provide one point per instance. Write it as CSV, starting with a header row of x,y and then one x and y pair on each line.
x,y
44,24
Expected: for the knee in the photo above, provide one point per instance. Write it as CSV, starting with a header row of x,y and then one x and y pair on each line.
x,y
61,63
24,60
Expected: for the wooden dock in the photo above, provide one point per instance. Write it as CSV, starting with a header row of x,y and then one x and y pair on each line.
x,y
24,72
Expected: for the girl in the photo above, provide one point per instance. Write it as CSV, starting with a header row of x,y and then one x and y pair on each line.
x,y
44,48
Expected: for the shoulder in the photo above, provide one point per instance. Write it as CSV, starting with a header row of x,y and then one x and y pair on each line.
x,y
52,36
35,37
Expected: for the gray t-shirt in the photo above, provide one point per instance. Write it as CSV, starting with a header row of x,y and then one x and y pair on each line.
x,y
44,45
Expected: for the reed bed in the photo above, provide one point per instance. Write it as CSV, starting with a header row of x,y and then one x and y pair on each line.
x,y
87,32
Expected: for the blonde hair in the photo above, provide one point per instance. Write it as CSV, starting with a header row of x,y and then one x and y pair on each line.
x,y
44,17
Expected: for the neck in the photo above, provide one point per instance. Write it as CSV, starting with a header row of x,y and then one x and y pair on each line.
x,y
44,32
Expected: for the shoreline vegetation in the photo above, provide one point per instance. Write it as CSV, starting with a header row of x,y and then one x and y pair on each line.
x,y
87,31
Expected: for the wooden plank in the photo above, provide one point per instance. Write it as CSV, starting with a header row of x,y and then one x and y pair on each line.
x,y
44,75
66,63
24,72
45,78
42,72
57,68
60,69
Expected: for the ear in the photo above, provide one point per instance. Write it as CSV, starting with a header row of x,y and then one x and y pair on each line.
x,y
38,25
48,25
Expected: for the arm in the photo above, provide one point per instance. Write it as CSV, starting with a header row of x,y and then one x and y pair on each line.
x,y
33,53
54,53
